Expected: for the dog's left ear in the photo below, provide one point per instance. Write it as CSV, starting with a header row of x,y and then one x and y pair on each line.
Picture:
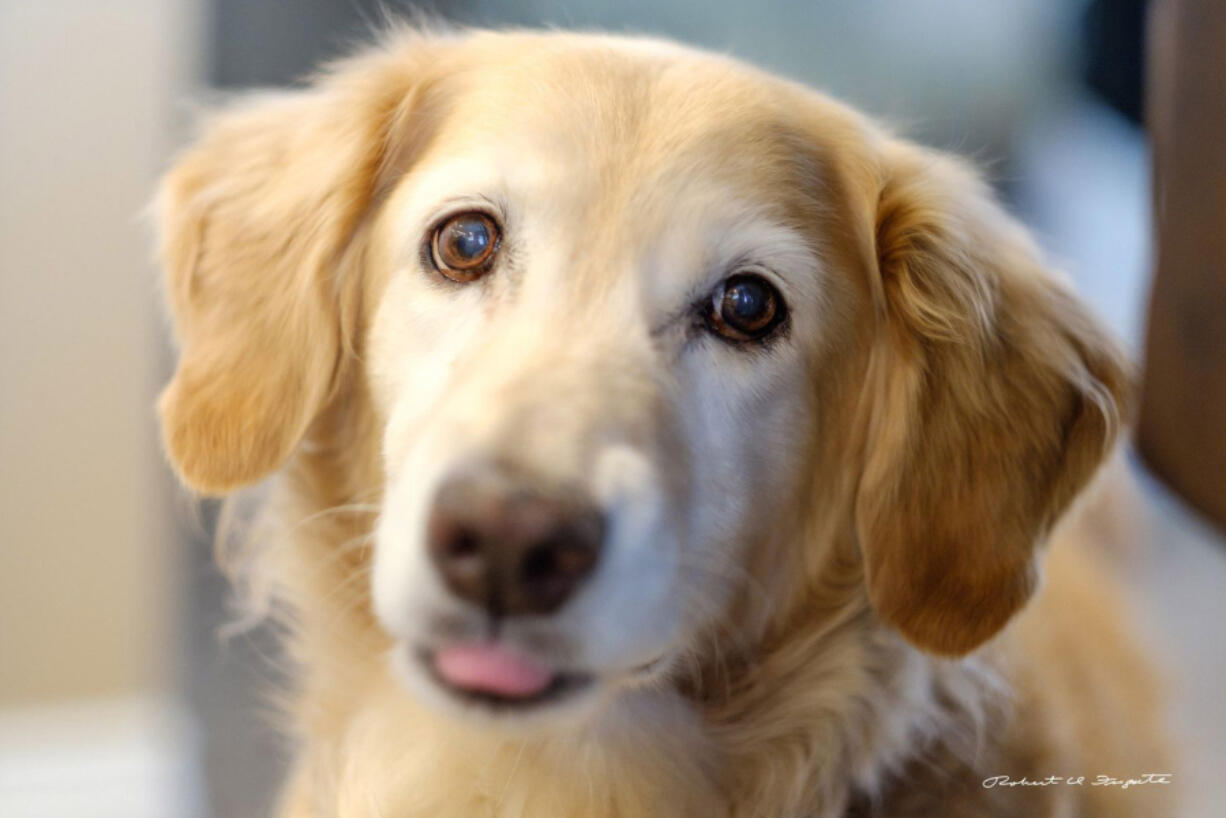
x,y
993,397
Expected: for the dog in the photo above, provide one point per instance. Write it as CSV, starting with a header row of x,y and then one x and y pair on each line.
x,y
651,437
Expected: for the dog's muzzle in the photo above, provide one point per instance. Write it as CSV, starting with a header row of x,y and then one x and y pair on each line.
x,y
511,547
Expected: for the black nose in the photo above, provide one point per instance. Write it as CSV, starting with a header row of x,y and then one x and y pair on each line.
x,y
509,547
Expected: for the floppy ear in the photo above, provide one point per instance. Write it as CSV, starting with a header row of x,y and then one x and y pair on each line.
x,y
253,220
994,397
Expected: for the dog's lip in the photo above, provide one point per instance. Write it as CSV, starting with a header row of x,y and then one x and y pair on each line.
x,y
551,685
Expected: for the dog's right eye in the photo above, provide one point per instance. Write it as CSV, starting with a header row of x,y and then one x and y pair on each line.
x,y
745,307
463,247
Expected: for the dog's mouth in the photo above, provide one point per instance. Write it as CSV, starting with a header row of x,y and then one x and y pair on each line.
x,y
495,675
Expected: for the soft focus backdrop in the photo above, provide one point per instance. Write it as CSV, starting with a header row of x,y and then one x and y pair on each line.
x,y
117,697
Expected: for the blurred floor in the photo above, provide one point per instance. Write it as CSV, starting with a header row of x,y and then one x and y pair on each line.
x,y
122,758
1181,595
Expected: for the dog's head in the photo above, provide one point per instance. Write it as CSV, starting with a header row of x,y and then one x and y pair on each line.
x,y
641,329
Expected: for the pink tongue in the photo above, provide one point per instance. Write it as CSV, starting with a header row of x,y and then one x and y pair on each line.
x,y
491,668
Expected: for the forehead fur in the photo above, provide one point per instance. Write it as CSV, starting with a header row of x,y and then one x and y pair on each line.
x,y
629,116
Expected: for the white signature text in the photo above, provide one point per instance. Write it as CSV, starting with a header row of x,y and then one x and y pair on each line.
x,y
1078,781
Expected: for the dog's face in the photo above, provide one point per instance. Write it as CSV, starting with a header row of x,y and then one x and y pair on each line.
x,y
591,353
629,320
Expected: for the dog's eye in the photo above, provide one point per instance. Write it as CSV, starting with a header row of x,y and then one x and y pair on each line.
x,y
745,307
463,247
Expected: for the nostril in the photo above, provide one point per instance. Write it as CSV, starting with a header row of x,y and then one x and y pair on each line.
x,y
457,551
464,565
543,583
551,569
539,563
463,545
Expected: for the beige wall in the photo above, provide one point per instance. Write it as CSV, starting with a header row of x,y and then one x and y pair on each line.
x,y
86,568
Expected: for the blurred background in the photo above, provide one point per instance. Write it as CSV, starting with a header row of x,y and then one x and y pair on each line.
x,y
117,695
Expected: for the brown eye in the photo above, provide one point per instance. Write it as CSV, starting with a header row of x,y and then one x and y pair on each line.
x,y
463,247
745,307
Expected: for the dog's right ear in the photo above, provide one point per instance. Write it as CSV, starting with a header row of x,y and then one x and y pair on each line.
x,y
993,397
252,220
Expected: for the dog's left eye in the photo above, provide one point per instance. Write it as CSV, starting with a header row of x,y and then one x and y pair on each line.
x,y
745,307
463,247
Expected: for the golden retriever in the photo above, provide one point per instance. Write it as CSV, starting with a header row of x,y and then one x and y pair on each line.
x,y
653,437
